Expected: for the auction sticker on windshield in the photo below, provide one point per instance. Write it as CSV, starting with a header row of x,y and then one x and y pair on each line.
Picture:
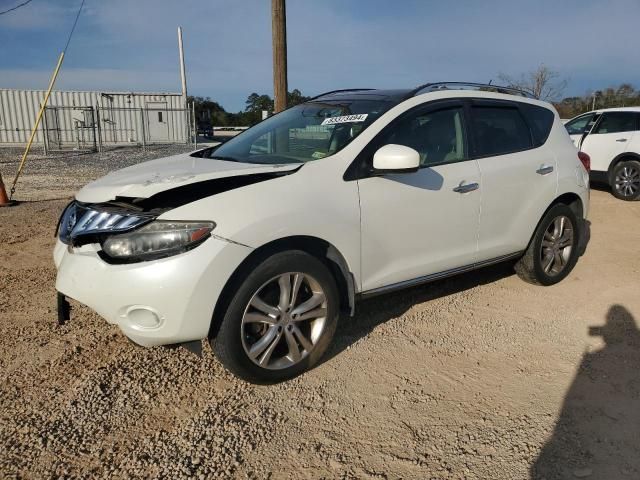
x,y
361,117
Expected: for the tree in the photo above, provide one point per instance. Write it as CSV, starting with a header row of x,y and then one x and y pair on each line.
x,y
295,97
543,83
208,112
256,103
624,95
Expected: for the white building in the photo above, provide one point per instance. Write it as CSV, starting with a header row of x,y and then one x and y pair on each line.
x,y
87,120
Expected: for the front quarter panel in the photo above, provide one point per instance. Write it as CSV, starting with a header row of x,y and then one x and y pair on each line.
x,y
314,201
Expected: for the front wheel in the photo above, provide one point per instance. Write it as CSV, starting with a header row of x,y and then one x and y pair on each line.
x,y
553,250
281,319
626,180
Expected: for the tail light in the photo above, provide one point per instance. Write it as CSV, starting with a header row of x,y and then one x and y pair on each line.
x,y
586,160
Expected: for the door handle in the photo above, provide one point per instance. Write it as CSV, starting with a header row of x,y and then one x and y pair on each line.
x,y
621,140
545,170
466,187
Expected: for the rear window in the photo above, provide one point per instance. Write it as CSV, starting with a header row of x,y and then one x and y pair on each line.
x,y
540,120
499,130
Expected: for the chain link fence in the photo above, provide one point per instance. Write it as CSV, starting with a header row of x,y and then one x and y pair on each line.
x,y
89,128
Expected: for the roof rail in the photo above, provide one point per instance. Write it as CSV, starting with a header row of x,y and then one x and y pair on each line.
x,y
342,90
434,87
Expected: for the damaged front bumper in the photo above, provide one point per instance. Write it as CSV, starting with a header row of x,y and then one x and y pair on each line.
x,y
159,302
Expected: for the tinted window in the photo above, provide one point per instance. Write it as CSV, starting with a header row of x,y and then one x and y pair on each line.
x,y
499,130
617,122
437,135
540,120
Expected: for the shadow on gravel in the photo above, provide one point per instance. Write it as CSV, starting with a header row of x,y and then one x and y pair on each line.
x,y
597,434
374,311
600,186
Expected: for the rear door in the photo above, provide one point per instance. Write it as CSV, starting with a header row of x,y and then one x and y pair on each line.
x,y
518,173
609,138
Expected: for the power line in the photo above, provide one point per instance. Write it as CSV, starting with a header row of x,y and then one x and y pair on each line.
x,y
72,28
16,7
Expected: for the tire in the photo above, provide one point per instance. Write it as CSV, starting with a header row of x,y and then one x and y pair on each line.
x,y
625,180
276,328
546,246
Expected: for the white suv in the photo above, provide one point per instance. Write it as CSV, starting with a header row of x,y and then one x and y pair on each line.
x,y
611,137
259,244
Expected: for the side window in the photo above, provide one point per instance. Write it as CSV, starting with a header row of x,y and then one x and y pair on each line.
x,y
499,130
540,120
438,136
617,122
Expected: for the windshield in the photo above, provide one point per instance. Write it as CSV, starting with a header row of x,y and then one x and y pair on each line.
x,y
303,133
579,125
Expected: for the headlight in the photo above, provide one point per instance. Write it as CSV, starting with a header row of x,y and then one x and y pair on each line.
x,y
157,239
67,221
82,223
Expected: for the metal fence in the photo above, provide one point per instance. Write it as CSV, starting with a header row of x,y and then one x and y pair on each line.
x,y
69,128
89,128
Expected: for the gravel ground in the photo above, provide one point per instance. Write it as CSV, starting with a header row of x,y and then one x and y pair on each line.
x,y
479,377
61,175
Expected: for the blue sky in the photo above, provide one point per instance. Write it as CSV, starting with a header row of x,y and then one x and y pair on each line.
x,y
131,45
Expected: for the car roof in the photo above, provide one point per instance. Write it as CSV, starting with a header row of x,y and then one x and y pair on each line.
x,y
615,109
399,95
390,95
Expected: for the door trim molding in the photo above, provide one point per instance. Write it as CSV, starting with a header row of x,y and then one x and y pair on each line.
x,y
437,276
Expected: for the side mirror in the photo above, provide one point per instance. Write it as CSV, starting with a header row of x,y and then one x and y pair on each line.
x,y
394,158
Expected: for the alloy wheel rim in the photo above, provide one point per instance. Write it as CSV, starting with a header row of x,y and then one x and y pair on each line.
x,y
628,181
557,244
284,320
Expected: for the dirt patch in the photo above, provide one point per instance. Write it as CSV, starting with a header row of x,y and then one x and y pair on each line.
x,y
480,376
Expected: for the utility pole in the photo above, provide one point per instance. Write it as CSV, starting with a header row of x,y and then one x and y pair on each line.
x,y
279,35
183,74
183,79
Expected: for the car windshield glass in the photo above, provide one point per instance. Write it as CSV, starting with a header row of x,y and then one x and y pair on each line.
x,y
306,132
579,125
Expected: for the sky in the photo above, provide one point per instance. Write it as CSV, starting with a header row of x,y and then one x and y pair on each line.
x,y
122,45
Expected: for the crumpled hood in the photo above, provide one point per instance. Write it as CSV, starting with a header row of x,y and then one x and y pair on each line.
x,y
149,178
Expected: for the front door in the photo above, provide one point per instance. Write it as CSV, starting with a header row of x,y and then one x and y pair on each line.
x,y
426,222
609,138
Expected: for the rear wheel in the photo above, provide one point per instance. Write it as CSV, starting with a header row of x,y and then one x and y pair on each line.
x,y
281,319
553,250
625,180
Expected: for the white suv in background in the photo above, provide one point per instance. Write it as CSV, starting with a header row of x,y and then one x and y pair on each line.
x,y
259,244
611,137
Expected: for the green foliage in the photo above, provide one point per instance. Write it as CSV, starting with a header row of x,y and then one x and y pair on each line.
x,y
623,96
210,113
296,97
